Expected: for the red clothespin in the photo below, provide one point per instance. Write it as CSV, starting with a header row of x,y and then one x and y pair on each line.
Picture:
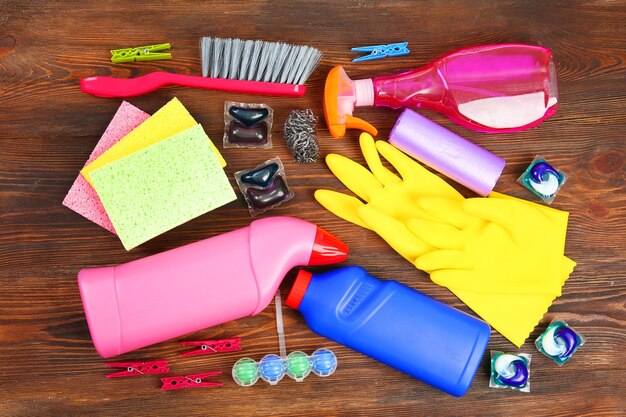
x,y
208,347
189,381
139,368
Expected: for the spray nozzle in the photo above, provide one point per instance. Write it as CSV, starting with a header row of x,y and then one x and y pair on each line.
x,y
341,95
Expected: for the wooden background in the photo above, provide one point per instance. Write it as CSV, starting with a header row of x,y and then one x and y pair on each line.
x,y
48,127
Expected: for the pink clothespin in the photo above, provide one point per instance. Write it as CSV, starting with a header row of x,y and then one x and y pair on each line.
x,y
208,347
189,381
139,368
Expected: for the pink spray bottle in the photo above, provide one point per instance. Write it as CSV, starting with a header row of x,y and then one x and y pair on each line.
x,y
199,285
489,88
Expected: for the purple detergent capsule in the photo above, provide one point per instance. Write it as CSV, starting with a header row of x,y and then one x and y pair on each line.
x,y
277,192
247,125
559,342
240,134
264,186
510,370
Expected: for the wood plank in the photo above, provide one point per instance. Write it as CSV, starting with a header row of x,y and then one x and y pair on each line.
x,y
48,128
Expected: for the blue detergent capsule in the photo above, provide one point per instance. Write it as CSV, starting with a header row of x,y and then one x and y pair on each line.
x,y
509,370
260,177
323,362
559,342
271,369
249,116
543,180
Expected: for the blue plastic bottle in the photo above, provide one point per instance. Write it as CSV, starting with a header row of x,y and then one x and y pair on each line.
x,y
393,324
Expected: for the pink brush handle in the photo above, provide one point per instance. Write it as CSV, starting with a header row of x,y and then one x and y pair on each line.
x,y
111,87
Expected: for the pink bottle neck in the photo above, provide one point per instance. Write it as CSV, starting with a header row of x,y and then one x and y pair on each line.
x,y
422,88
277,244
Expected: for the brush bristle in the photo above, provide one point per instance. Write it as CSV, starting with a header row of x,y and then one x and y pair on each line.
x,y
274,62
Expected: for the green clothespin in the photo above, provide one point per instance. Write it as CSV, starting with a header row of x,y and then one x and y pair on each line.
x,y
140,53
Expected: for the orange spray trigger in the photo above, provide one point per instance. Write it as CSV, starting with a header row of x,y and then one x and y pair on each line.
x,y
340,98
356,123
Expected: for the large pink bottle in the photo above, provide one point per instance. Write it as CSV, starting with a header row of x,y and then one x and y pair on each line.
x,y
199,285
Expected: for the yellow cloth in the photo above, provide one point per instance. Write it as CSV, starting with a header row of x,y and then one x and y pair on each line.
x,y
514,316
502,256
167,121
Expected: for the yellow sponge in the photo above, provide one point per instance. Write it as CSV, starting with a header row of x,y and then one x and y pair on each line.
x,y
167,121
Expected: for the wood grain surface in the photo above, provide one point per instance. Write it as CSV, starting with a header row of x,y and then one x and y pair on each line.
x,y
48,127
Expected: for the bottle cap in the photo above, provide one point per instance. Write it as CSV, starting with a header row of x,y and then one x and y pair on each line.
x,y
299,288
99,296
327,249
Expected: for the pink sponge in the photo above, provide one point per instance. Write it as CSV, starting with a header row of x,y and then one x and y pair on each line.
x,y
82,198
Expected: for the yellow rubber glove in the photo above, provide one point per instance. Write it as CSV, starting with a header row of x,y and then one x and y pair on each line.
x,y
514,314
394,196
392,201
381,189
521,242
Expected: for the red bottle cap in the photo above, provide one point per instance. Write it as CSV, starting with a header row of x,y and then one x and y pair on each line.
x,y
299,288
327,249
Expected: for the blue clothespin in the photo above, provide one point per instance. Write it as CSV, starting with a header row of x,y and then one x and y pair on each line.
x,y
381,51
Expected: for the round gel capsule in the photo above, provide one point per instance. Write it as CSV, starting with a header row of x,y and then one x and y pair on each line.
x,y
545,179
271,369
559,341
245,372
323,362
512,370
298,365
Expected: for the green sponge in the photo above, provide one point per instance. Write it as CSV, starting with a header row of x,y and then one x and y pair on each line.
x,y
162,186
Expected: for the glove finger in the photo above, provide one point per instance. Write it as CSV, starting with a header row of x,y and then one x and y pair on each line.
x,y
394,232
551,212
411,170
385,176
446,210
407,167
341,205
449,278
354,176
443,259
506,197
437,234
501,211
